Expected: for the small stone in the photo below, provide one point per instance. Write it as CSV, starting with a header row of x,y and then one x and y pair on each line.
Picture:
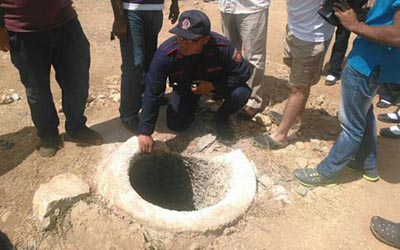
x,y
59,194
320,100
6,99
266,181
291,147
315,144
15,96
229,230
301,162
115,97
325,149
299,145
205,141
90,98
280,193
263,120
302,191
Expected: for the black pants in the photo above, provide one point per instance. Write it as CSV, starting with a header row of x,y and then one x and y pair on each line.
x,y
67,50
181,110
338,51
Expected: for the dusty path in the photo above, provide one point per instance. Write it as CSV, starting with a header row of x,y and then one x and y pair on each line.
x,y
326,218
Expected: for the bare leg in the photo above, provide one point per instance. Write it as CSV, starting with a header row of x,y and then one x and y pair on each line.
x,y
293,112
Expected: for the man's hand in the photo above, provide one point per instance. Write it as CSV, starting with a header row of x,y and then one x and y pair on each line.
x,y
119,27
203,87
4,40
346,15
173,12
145,144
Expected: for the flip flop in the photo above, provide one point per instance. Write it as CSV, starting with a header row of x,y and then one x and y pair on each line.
x,y
275,117
391,132
386,231
266,141
390,117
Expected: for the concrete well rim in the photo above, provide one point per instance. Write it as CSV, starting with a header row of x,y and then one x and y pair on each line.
x,y
114,186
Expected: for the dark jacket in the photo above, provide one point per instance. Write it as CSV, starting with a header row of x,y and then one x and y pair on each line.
x,y
219,63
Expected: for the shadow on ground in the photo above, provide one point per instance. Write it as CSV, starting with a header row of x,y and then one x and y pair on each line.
x,y
25,142
5,243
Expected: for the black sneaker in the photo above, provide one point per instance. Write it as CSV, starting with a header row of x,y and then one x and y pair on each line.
x,y
383,104
391,132
311,178
87,136
49,145
224,130
331,80
368,174
132,125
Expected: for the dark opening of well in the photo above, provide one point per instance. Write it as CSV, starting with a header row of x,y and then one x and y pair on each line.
x,y
178,183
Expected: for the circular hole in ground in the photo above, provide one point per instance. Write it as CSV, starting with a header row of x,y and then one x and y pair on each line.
x,y
178,183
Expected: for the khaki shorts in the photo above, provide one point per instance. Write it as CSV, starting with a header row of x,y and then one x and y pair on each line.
x,y
305,60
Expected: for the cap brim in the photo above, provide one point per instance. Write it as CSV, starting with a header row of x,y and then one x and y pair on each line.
x,y
184,33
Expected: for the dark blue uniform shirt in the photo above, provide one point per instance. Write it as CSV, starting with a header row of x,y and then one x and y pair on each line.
x,y
219,63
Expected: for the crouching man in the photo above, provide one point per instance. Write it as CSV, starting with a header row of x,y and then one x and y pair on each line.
x,y
196,62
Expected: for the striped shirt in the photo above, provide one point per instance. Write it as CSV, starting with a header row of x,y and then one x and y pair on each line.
x,y
146,5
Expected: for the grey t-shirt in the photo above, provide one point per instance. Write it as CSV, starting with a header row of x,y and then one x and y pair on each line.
x,y
305,23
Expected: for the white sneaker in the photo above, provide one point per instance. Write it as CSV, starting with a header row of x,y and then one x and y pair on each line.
x,y
330,80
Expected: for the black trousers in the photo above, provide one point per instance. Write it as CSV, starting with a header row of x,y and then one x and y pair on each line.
x,y
338,51
67,50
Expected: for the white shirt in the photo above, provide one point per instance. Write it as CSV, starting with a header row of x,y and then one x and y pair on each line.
x,y
242,6
305,23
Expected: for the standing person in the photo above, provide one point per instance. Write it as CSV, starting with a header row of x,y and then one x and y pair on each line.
x,y
374,58
307,41
137,24
341,43
245,24
41,34
197,62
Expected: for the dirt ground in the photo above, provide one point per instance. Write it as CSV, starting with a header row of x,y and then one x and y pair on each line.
x,y
324,218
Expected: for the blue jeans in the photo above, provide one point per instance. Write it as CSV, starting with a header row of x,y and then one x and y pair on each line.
x,y
68,51
358,139
137,50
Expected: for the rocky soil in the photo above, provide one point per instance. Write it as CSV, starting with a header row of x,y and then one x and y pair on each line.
x,y
284,214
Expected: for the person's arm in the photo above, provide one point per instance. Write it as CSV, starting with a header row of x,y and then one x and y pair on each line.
x,y
173,11
119,26
4,37
388,35
152,98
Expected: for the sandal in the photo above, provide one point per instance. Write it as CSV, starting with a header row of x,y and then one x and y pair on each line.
x,y
391,132
390,117
266,141
386,231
